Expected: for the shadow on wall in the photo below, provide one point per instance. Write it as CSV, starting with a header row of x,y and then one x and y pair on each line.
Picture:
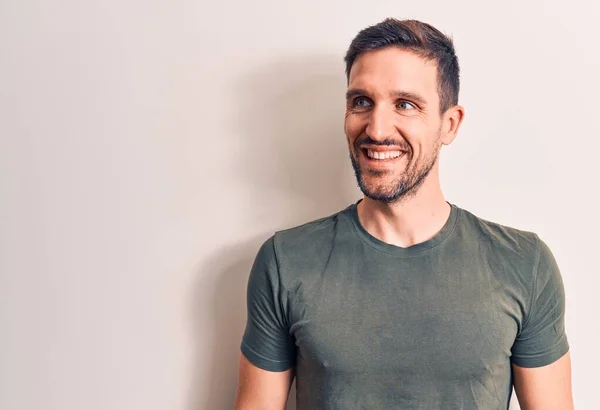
x,y
294,160
292,137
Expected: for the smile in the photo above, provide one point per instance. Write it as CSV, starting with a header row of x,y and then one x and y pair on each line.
x,y
382,155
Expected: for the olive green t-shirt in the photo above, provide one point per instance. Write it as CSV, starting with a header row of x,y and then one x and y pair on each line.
x,y
368,325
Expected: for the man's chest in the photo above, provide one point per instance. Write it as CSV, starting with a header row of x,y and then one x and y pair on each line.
x,y
425,320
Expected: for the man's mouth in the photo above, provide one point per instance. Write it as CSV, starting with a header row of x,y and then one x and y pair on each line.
x,y
382,155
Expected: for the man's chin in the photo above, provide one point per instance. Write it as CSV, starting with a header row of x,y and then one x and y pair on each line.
x,y
380,194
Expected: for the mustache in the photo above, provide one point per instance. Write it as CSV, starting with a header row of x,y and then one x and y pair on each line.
x,y
366,140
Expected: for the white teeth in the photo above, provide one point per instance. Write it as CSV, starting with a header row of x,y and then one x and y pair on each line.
x,y
383,155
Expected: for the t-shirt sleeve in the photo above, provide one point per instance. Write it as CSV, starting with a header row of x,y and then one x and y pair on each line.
x,y
542,339
267,342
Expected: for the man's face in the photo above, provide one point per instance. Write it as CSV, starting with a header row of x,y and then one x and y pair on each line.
x,y
393,122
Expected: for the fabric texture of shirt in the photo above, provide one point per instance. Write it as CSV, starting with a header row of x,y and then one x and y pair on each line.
x,y
369,325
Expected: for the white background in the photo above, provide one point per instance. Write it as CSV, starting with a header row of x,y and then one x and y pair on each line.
x,y
149,147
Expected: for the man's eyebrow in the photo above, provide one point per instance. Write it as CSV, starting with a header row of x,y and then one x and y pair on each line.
x,y
406,95
354,92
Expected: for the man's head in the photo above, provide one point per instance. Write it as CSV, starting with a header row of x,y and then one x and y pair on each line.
x,y
403,82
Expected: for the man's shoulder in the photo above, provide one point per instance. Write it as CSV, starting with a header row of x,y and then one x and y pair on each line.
x,y
500,238
308,246
315,231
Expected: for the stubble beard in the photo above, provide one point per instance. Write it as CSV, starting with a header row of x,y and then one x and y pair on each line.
x,y
402,187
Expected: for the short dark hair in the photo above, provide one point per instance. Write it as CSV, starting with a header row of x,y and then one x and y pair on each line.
x,y
420,38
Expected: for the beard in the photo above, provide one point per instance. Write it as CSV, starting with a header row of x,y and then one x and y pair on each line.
x,y
398,187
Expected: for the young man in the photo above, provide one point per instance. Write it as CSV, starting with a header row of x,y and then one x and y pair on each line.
x,y
403,300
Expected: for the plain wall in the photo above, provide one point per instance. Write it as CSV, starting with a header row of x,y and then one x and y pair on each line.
x,y
148,148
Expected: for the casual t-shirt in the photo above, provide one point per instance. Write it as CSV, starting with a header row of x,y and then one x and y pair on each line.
x,y
369,325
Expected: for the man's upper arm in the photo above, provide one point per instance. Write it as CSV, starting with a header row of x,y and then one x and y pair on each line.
x,y
540,354
544,388
260,389
268,349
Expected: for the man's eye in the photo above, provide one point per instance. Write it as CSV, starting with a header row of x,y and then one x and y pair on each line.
x,y
405,105
361,102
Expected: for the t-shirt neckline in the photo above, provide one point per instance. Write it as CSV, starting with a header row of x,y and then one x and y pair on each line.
x,y
413,250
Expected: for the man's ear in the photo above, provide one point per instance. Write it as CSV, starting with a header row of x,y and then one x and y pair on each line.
x,y
451,121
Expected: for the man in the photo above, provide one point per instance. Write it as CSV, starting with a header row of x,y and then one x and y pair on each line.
x,y
403,300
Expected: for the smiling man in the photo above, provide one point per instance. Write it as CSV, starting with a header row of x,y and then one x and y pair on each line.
x,y
404,300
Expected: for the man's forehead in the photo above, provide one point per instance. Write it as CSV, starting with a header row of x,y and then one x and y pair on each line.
x,y
393,69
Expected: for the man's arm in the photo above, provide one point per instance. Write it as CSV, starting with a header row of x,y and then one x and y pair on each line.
x,y
544,388
260,389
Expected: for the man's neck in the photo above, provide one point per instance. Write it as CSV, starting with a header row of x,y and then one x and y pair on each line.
x,y
407,222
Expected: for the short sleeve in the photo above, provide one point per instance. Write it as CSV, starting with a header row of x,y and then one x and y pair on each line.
x,y
267,342
542,339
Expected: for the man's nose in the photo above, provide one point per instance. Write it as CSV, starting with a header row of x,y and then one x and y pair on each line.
x,y
380,125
